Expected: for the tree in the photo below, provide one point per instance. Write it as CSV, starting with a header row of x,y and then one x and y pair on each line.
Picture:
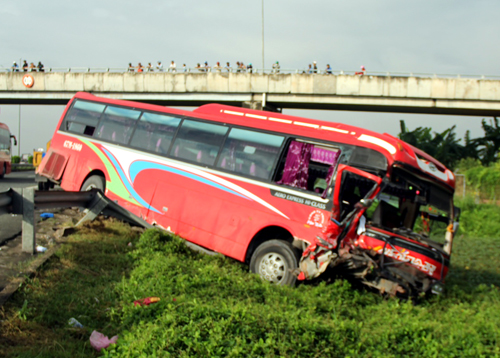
x,y
442,146
489,145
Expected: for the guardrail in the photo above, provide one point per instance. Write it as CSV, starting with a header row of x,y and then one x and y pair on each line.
x,y
26,201
255,71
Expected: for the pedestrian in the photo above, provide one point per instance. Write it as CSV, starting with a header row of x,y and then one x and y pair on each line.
x,y
32,67
249,68
172,67
140,68
206,66
15,67
25,66
315,67
228,67
130,67
243,67
310,69
238,66
159,66
41,68
328,70
276,67
217,67
362,72
184,68
198,67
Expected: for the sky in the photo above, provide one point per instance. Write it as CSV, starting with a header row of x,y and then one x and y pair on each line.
x,y
425,36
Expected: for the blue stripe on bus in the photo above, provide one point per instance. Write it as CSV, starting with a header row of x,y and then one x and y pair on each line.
x,y
127,184
138,166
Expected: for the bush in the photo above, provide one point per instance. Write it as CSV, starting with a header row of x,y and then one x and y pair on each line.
x,y
15,159
212,306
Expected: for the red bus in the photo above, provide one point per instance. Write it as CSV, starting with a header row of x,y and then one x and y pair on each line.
x,y
289,196
5,149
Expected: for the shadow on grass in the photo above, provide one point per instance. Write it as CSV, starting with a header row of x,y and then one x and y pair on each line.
x,y
77,282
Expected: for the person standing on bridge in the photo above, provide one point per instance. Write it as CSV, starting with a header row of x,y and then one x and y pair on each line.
x,y
228,67
328,70
15,67
140,68
32,67
159,66
217,67
40,67
173,67
130,67
25,66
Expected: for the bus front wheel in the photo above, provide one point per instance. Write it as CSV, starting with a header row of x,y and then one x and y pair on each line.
x,y
93,182
275,261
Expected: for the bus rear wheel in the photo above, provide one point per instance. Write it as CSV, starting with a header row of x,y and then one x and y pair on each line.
x,y
93,182
275,261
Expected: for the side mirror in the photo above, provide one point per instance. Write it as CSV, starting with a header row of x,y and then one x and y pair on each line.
x,y
14,137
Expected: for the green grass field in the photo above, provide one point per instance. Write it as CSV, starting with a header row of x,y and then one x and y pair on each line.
x,y
212,306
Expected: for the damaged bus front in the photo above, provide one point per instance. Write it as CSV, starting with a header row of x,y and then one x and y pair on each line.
x,y
392,229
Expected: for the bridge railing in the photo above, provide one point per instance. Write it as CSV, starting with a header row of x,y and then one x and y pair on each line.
x,y
256,71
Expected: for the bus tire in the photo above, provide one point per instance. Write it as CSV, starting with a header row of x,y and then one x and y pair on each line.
x,y
275,261
93,182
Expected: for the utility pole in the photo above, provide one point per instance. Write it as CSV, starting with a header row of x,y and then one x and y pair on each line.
x,y
263,67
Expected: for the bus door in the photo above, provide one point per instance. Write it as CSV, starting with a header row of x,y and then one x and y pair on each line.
x,y
354,190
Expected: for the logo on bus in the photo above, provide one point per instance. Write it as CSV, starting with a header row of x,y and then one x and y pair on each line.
x,y
316,218
28,81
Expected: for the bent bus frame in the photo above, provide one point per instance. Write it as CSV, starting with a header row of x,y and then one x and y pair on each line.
x,y
289,196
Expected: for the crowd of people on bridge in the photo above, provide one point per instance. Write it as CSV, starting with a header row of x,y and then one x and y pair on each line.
x,y
28,68
240,67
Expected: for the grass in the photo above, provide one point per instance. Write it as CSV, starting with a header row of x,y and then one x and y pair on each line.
x,y
212,306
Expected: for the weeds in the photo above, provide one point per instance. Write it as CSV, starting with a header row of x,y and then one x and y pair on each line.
x,y
212,306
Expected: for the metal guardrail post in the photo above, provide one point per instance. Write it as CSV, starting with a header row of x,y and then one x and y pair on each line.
x,y
29,222
96,206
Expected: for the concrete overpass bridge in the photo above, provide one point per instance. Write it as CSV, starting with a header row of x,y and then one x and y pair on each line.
x,y
371,92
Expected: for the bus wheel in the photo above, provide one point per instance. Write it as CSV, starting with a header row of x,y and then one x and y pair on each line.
x,y
275,261
93,182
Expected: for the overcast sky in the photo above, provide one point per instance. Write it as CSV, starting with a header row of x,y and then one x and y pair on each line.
x,y
444,37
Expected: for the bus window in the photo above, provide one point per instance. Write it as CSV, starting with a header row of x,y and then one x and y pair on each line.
x,y
250,153
117,124
198,142
83,117
154,132
4,139
308,166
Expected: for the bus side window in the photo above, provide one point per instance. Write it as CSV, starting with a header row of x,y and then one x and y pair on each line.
x,y
250,153
83,117
154,132
308,166
198,142
117,124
